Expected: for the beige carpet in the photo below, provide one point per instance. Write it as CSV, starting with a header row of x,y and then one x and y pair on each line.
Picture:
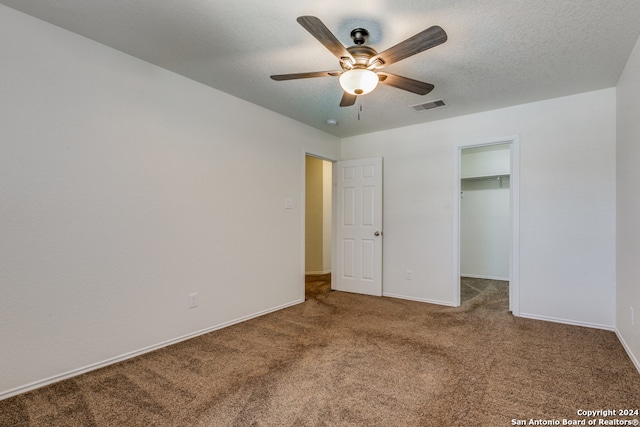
x,y
342,359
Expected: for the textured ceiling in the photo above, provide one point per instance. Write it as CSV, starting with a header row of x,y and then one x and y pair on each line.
x,y
499,52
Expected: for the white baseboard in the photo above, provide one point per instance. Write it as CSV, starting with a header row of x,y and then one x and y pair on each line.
x,y
75,372
479,276
567,321
632,356
430,301
317,272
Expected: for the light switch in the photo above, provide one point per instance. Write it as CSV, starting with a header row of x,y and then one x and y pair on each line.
x,y
288,203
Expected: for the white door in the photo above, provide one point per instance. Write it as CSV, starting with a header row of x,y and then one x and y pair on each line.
x,y
359,226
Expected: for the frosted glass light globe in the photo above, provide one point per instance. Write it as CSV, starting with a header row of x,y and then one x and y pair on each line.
x,y
358,81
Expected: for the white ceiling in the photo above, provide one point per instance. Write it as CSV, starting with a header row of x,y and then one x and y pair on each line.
x,y
499,52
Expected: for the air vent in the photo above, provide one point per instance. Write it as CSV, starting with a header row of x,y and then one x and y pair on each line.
x,y
429,105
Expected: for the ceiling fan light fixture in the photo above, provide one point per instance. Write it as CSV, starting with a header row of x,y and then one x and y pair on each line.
x,y
358,81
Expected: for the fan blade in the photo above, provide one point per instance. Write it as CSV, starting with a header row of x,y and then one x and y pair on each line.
x,y
422,41
405,83
318,30
348,100
280,77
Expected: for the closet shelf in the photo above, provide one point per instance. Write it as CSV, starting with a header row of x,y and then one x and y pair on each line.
x,y
486,177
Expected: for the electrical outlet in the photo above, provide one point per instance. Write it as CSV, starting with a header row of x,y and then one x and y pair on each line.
x,y
409,274
193,300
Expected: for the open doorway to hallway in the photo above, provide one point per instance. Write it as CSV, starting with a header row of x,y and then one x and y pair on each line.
x,y
318,226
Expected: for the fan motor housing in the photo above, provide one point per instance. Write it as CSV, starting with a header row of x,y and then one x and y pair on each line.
x,y
361,54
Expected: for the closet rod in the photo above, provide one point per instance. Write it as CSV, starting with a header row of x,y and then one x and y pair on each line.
x,y
486,177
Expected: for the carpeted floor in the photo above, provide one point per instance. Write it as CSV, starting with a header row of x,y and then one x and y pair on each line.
x,y
317,285
490,293
343,359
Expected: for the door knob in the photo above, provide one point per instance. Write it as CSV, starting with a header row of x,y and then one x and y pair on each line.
x,y
377,233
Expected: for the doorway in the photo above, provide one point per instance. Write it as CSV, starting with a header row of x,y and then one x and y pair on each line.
x,y
318,225
486,256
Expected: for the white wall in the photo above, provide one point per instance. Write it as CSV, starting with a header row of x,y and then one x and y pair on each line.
x,y
567,204
628,206
485,223
125,187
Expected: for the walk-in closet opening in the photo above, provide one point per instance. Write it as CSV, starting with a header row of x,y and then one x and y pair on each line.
x,y
485,223
318,232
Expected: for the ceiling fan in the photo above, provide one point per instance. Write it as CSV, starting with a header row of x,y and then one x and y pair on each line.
x,y
361,64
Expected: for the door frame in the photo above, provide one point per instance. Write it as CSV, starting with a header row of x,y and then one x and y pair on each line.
x,y
303,211
514,253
